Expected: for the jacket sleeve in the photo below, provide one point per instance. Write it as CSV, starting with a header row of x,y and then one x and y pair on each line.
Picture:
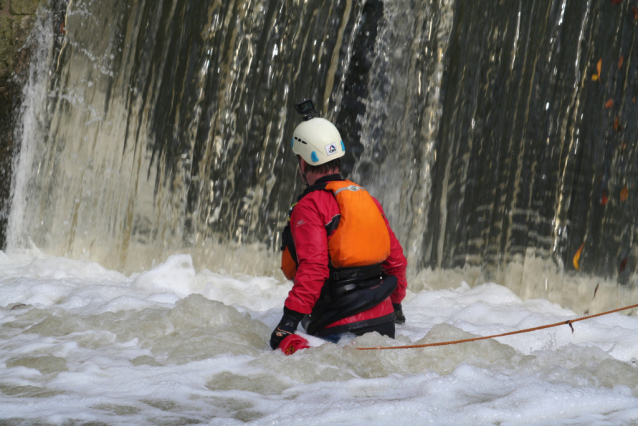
x,y
311,243
396,263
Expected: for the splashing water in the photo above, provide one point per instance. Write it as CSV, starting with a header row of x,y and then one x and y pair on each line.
x,y
80,343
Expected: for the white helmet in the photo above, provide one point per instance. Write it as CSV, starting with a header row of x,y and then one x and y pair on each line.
x,y
317,141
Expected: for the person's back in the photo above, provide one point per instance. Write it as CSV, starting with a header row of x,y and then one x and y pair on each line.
x,y
348,267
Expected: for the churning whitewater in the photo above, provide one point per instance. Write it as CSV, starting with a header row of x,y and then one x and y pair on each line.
x,y
152,128
82,344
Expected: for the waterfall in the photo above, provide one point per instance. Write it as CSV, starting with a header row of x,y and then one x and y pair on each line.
x,y
485,129
536,152
166,123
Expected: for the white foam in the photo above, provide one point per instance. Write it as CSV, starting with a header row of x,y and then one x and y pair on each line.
x,y
81,343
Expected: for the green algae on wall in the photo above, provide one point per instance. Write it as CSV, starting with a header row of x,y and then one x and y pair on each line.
x,y
24,7
7,52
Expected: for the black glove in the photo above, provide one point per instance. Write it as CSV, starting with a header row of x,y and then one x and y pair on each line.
x,y
286,327
399,318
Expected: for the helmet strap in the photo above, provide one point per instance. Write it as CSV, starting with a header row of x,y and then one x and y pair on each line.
x,y
302,173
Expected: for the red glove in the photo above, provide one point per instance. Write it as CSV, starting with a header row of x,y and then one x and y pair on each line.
x,y
292,344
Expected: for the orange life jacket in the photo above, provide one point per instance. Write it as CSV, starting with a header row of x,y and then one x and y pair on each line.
x,y
288,255
361,237
359,242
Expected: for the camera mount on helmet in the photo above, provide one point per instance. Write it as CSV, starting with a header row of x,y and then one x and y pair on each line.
x,y
307,110
316,140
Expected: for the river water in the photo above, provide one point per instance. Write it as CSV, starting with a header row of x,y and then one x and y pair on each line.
x,y
140,283
81,344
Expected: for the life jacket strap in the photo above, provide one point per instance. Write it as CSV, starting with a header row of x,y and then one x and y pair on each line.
x,y
344,276
345,280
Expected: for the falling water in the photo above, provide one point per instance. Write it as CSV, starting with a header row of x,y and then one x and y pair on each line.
x,y
150,129
165,123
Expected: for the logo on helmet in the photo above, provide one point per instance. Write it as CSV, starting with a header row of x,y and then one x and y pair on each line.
x,y
331,149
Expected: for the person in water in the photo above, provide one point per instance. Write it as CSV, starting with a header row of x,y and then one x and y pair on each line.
x,y
347,266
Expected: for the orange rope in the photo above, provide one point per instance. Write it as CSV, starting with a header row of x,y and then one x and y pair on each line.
x,y
527,330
